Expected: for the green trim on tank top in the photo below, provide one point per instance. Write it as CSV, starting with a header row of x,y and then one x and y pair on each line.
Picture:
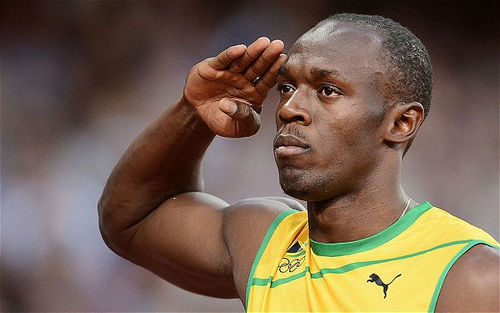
x,y
263,247
352,247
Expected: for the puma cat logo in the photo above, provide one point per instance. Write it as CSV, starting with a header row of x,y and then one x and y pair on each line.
x,y
375,279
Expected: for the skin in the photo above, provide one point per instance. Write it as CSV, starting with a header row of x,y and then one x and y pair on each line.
x,y
154,212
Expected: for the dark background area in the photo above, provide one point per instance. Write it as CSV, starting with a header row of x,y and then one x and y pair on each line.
x,y
79,80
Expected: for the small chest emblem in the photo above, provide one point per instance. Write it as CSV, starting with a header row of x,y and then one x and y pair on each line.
x,y
296,247
294,258
374,278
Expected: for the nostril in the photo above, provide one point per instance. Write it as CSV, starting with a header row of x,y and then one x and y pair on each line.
x,y
291,111
288,116
295,118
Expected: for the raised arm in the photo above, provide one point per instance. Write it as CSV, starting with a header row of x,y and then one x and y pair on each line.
x,y
153,211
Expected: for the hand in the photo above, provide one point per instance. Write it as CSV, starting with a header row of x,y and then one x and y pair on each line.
x,y
222,90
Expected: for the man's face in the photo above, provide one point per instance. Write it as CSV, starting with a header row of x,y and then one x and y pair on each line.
x,y
329,136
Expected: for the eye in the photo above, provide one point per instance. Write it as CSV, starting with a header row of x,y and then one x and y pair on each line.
x,y
329,91
285,89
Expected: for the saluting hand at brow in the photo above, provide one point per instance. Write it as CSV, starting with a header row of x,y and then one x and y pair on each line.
x,y
227,91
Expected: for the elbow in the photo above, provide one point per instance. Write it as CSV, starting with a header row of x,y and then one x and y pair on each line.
x,y
104,223
113,238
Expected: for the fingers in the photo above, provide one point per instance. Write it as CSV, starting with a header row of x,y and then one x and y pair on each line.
x,y
252,62
226,57
269,79
251,54
266,59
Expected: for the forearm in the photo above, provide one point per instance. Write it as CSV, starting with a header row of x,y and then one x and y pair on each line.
x,y
162,161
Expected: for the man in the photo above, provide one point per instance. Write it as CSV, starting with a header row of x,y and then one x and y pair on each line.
x,y
354,91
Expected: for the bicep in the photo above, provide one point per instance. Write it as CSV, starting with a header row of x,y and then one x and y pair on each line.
x,y
182,241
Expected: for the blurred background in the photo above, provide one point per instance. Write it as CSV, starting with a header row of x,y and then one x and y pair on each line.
x,y
80,79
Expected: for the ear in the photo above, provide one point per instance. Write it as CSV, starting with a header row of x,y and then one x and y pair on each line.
x,y
403,121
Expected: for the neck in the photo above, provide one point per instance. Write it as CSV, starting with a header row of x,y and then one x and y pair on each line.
x,y
359,214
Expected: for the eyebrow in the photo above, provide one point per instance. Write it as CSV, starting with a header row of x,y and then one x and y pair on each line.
x,y
319,73
316,72
283,70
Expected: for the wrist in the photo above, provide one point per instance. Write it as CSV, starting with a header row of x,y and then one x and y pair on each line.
x,y
187,112
185,102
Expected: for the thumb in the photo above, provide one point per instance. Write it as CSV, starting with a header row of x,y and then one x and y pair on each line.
x,y
248,120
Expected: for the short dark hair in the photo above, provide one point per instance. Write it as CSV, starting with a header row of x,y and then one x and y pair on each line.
x,y
409,64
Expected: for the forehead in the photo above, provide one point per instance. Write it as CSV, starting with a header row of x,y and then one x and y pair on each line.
x,y
350,50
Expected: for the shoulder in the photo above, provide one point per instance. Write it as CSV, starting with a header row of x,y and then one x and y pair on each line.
x,y
255,215
472,284
249,219
246,223
270,203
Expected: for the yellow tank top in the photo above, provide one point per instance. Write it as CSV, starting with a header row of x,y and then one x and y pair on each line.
x,y
400,269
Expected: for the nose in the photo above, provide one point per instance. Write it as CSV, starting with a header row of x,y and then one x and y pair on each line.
x,y
294,110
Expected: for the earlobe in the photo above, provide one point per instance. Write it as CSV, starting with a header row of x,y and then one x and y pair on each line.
x,y
404,120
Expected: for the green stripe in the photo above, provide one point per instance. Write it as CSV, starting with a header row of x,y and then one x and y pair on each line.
x,y
435,296
282,281
263,246
352,247
348,267
297,254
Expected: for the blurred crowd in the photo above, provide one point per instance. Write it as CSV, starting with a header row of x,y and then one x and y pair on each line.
x,y
79,80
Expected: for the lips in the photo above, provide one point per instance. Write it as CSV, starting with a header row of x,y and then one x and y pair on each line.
x,y
287,145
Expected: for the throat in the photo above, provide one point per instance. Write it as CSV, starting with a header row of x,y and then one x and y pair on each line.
x,y
339,220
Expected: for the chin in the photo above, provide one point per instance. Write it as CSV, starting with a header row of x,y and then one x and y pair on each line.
x,y
293,191
303,185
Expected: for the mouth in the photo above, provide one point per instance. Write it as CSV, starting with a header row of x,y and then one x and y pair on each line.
x,y
289,145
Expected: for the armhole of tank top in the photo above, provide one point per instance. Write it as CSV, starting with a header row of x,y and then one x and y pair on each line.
x,y
262,247
472,243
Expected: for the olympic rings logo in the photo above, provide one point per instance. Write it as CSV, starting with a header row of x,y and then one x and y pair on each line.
x,y
290,266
